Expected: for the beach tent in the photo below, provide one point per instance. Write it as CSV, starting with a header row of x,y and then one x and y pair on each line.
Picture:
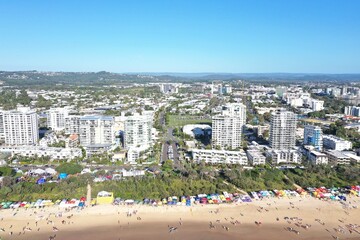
x,y
38,203
86,170
41,181
38,171
63,175
104,197
47,203
129,201
50,171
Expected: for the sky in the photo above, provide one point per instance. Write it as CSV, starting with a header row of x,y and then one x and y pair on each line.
x,y
254,36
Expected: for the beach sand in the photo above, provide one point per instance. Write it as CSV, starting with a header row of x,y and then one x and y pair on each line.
x,y
229,221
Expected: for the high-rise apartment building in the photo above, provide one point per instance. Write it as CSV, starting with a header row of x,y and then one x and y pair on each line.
x,y
313,136
56,118
20,126
2,133
227,127
137,132
352,111
96,130
317,105
282,130
72,124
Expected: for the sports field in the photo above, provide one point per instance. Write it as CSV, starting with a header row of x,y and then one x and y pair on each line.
x,y
181,120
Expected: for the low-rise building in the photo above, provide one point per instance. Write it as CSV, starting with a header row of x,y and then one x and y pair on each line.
x,y
284,156
195,130
132,155
255,157
352,155
96,149
336,143
72,141
219,156
132,173
36,151
318,158
337,157
119,156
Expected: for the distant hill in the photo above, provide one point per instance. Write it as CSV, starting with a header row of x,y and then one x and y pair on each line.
x,y
35,78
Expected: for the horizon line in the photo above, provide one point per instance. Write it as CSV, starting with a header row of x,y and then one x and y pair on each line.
x,y
176,72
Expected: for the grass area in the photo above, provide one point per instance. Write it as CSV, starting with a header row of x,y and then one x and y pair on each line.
x,y
181,120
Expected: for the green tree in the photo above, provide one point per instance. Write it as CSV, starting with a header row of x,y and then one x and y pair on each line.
x,y
69,168
7,171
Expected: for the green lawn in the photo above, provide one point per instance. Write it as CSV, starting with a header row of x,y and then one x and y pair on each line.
x,y
181,120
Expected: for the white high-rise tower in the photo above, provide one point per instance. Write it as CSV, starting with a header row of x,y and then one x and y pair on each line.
x,y
138,130
56,118
227,127
20,126
282,130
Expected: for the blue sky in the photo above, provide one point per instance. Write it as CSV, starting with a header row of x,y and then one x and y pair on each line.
x,y
309,36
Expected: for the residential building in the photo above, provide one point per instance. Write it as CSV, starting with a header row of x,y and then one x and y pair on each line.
x,y
336,92
132,173
282,130
133,154
96,130
97,149
72,124
72,141
317,105
227,89
227,127
48,139
284,156
53,153
318,158
313,136
168,88
352,155
261,130
337,157
137,132
352,111
56,118
256,157
20,126
219,156
2,133
336,143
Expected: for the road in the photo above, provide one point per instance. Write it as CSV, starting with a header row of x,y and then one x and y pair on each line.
x,y
170,139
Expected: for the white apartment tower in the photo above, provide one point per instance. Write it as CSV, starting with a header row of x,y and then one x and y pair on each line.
x,y
282,130
227,127
72,124
96,130
2,134
20,126
56,118
137,132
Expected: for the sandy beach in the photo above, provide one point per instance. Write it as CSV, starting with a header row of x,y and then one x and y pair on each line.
x,y
296,218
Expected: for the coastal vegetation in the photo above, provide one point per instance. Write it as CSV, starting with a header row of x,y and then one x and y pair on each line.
x,y
188,180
